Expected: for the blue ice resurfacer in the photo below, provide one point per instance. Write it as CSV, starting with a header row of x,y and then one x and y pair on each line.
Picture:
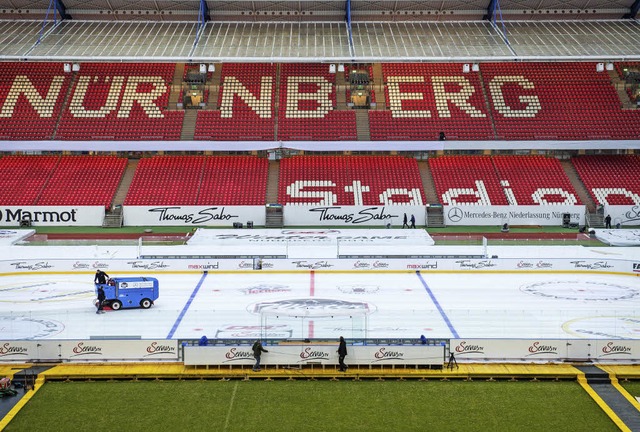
x,y
130,292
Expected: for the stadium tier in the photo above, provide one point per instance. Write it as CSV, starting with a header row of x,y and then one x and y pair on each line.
x,y
31,100
533,180
350,180
610,179
307,102
199,180
60,180
234,180
317,180
307,105
466,180
556,101
244,109
121,102
84,180
423,100
502,180
162,180
24,178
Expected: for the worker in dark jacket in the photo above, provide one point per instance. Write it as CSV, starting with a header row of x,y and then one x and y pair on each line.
x,y
342,353
257,349
101,277
100,300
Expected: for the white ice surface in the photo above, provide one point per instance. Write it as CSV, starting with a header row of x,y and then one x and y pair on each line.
x,y
329,305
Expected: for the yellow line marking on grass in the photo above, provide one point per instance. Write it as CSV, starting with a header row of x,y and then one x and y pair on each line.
x,y
582,380
233,397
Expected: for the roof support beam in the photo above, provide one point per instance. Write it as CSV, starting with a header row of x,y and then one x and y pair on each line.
x,y
491,9
203,13
203,17
634,9
62,10
347,18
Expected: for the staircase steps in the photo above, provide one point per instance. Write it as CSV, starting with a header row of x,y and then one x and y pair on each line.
x,y
189,125
125,183
272,182
576,182
362,125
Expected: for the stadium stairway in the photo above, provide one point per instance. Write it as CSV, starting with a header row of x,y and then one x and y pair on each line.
x,y
362,125
580,188
378,86
125,182
214,87
189,125
176,86
619,85
272,182
341,92
435,216
428,184
487,104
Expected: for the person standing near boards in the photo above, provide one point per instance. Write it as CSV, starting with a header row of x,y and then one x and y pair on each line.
x,y
257,349
342,353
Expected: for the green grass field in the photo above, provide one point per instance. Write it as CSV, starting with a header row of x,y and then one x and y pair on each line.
x,y
311,406
633,387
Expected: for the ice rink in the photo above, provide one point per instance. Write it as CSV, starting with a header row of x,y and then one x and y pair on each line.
x,y
327,305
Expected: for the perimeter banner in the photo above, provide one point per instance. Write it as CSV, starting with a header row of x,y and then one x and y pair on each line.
x,y
623,215
377,216
496,215
52,215
88,350
544,350
218,216
316,354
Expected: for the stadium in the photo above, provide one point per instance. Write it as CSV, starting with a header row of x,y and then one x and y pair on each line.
x,y
453,187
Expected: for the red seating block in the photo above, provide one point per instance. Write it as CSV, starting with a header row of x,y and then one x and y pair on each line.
x,y
610,179
556,101
307,105
350,180
121,101
199,180
467,180
31,98
534,180
245,106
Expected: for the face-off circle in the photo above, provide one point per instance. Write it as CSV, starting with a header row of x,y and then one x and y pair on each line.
x,y
581,290
44,292
17,327
604,327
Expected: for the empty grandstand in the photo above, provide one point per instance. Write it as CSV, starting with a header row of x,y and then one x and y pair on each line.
x,y
316,118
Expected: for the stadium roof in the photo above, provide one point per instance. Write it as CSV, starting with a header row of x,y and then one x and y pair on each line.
x,y
319,30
